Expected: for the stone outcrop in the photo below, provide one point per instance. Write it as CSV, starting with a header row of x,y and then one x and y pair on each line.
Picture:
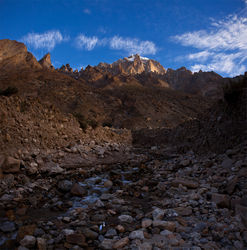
x,y
45,62
14,55
203,83
65,69
134,64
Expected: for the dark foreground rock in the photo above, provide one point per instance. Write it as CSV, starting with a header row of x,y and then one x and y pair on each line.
x,y
129,199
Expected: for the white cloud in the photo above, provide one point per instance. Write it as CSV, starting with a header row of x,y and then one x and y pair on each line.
x,y
130,45
46,40
228,35
87,11
133,45
85,42
202,56
224,46
222,63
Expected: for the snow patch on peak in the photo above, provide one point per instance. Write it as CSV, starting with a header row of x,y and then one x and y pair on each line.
x,y
144,58
132,58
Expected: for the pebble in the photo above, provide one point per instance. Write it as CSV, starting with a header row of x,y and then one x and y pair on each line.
x,y
28,241
7,226
138,234
125,218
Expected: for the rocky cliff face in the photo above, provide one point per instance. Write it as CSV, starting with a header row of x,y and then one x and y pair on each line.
x,y
147,72
45,62
204,83
134,70
14,55
134,64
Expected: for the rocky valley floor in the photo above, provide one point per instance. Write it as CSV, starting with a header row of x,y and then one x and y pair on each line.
x,y
113,196
118,157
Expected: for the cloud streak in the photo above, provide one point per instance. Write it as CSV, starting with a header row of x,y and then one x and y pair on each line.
x,y
130,45
224,46
47,40
87,43
133,45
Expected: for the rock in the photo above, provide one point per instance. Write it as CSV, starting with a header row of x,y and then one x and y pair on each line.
x,y
124,218
65,185
138,234
107,244
45,62
242,211
185,162
99,203
78,190
186,183
14,55
55,169
26,230
160,241
166,232
66,219
221,200
231,185
162,186
168,225
68,231
183,211
120,228
76,238
108,184
41,244
33,168
22,248
146,246
28,241
245,236
158,214
146,223
7,226
106,197
11,165
7,197
90,234
121,243
111,233
227,163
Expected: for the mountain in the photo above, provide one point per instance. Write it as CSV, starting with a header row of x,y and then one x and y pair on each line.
x,y
204,83
14,55
95,95
137,70
134,64
45,62
98,160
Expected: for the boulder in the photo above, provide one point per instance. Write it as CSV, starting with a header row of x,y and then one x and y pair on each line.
x,y
125,218
78,190
221,200
28,241
121,243
76,238
186,183
45,62
11,165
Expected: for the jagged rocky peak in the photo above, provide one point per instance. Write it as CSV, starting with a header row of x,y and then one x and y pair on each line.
x,y
45,62
66,68
134,64
14,55
136,57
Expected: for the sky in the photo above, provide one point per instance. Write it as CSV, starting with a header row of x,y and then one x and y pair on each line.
x,y
200,35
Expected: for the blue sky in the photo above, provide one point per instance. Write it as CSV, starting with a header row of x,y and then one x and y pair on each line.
x,y
198,34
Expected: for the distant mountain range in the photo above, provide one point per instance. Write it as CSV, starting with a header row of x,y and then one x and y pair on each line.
x,y
133,70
